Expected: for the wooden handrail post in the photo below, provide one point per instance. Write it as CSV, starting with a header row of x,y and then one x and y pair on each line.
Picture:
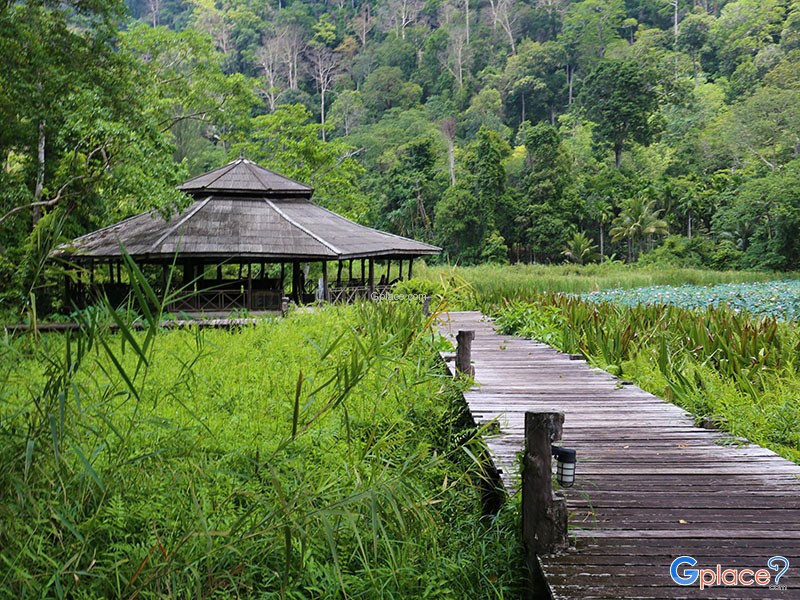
x,y
544,515
464,353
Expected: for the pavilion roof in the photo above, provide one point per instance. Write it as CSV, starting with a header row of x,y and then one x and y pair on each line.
x,y
268,218
244,177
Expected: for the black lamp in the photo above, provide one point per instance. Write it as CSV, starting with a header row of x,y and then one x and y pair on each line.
x,y
565,465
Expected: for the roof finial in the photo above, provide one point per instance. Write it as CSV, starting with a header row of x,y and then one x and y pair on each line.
x,y
241,154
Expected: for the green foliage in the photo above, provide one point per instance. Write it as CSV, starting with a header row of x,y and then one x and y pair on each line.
x,y
580,249
619,97
492,285
460,224
775,299
697,252
319,455
288,141
731,369
637,223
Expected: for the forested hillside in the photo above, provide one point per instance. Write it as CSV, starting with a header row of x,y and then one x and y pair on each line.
x,y
538,130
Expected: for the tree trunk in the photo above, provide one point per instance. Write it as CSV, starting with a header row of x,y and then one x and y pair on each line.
x,y
570,78
602,241
322,112
40,157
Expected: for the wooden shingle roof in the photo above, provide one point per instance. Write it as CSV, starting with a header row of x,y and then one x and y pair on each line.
x,y
244,177
263,220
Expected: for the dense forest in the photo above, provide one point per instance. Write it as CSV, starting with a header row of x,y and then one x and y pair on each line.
x,y
502,130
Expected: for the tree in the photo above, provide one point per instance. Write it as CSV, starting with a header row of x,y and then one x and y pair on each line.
x,y
580,249
386,88
324,66
347,111
460,225
397,15
620,99
269,60
411,188
638,222
536,79
552,207
591,25
743,29
289,142
761,129
764,217
693,34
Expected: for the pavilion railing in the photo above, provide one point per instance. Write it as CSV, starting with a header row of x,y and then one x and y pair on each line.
x,y
350,294
211,300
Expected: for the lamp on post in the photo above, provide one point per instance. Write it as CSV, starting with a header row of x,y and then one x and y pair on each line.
x,y
565,465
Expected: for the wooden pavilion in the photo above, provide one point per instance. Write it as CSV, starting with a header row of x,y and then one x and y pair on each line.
x,y
246,232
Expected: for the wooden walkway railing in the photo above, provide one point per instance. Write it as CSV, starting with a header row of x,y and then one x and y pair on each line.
x,y
650,486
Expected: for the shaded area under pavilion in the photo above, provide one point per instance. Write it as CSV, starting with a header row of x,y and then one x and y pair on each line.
x,y
248,233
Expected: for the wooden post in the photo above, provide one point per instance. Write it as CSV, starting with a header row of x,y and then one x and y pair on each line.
x,y
371,276
350,271
249,286
464,353
544,516
363,276
339,274
410,264
297,292
325,279
388,271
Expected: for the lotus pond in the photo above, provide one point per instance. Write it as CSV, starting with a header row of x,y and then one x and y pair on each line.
x,y
777,299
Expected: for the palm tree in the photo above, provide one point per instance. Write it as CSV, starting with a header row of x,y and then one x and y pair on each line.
x,y
580,249
638,221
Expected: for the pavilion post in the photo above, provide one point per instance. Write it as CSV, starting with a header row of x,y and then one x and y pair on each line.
x,y
325,279
410,264
249,286
111,271
371,276
339,274
283,277
297,293
350,270
363,275
388,271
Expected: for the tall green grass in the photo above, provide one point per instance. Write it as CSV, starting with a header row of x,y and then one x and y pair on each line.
x,y
322,455
493,284
737,371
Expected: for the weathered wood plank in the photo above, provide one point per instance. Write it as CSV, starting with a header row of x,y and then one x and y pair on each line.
x,y
651,485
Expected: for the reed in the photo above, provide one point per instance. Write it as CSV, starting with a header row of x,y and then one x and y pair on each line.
x,y
733,369
321,455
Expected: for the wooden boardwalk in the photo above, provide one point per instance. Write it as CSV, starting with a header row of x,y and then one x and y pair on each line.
x,y
650,485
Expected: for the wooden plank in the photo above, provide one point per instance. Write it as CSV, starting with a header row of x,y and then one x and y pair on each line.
x,y
651,486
